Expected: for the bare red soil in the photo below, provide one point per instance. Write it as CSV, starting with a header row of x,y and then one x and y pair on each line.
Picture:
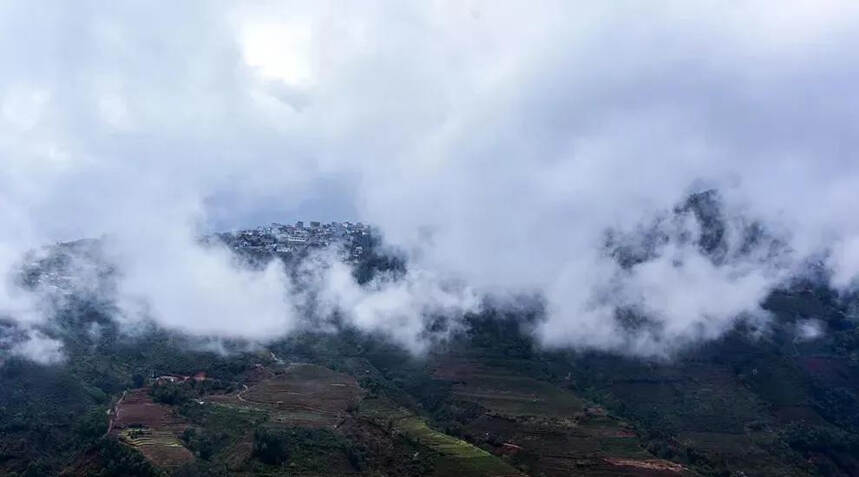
x,y
151,428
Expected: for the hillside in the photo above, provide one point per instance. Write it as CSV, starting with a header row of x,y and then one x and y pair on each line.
x,y
486,402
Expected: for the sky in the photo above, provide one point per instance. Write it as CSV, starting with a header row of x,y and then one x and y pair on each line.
x,y
495,143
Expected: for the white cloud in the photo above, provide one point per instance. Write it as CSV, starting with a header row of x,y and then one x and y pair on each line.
x,y
40,348
808,330
400,308
201,291
280,51
496,142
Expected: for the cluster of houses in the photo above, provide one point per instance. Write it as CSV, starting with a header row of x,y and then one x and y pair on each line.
x,y
178,378
56,283
293,239
57,272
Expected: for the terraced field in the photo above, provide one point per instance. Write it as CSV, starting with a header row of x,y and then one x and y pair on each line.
x,y
311,396
549,430
526,426
304,395
457,457
162,448
711,411
151,428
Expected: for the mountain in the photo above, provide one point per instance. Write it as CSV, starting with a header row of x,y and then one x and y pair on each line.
x,y
487,401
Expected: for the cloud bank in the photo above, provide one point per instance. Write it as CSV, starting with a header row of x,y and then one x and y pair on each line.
x,y
496,144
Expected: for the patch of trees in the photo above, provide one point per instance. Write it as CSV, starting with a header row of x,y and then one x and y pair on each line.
x,y
118,460
173,394
828,448
375,261
205,443
807,438
838,404
304,449
270,447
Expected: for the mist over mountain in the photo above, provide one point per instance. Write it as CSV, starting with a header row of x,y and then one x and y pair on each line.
x,y
567,199
483,155
324,276
382,362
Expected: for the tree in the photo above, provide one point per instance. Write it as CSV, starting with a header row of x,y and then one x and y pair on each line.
x,y
270,447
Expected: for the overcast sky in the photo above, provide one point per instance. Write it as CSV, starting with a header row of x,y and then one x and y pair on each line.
x,y
495,142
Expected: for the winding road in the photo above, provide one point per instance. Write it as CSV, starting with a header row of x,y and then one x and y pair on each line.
x,y
113,411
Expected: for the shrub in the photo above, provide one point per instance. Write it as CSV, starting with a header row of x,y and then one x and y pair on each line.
x,y
270,447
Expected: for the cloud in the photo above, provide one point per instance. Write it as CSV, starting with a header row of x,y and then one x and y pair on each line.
x,y
807,330
201,291
414,310
494,143
39,348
